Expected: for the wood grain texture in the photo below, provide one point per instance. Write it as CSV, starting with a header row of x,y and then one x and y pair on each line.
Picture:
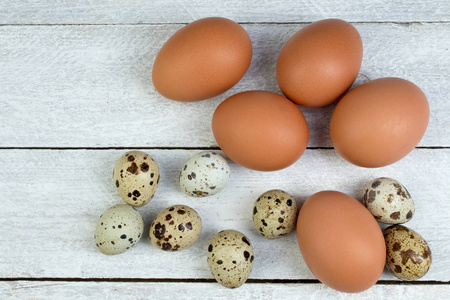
x,y
184,11
165,290
90,86
51,200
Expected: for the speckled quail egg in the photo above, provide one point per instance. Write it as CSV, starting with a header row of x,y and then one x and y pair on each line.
x,y
275,214
408,255
175,228
119,228
136,176
204,174
230,258
388,201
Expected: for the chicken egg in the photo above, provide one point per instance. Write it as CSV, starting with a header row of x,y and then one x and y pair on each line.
x,y
320,62
341,242
260,130
379,122
202,60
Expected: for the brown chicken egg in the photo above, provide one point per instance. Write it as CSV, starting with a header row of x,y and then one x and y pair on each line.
x,y
260,130
379,122
202,60
341,242
320,62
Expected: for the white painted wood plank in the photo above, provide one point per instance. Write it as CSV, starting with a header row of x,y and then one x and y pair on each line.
x,y
90,86
190,290
51,200
160,11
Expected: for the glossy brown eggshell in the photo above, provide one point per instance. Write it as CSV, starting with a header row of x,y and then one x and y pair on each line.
x,y
202,60
260,130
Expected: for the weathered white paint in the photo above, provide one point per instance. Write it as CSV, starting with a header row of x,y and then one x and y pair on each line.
x,y
51,200
195,290
183,11
90,86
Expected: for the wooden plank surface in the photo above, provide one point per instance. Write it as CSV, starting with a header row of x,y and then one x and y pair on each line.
x,y
73,98
90,86
184,11
191,290
51,200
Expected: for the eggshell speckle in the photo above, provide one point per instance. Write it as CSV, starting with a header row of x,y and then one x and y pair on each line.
x,y
175,228
388,201
408,254
230,258
119,228
275,214
136,177
204,174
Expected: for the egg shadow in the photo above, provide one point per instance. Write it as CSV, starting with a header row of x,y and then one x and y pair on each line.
x,y
146,52
300,200
266,48
319,118
296,261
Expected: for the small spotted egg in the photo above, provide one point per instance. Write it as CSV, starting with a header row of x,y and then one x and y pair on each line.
x,y
175,228
119,228
230,258
204,174
388,201
408,255
136,177
275,214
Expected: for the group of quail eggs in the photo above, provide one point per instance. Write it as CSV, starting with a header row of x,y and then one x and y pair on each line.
x,y
230,254
408,256
136,177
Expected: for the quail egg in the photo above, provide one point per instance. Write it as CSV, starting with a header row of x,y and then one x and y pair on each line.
x,y
119,228
136,177
230,258
388,201
275,214
204,174
408,256
175,228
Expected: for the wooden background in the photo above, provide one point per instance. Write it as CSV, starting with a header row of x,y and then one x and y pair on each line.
x,y
76,93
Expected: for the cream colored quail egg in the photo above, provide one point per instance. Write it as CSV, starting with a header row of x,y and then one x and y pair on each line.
x,y
275,214
136,177
119,228
230,258
388,201
408,255
175,228
204,174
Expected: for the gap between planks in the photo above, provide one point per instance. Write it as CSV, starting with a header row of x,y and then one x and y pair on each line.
x,y
406,23
204,280
172,148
